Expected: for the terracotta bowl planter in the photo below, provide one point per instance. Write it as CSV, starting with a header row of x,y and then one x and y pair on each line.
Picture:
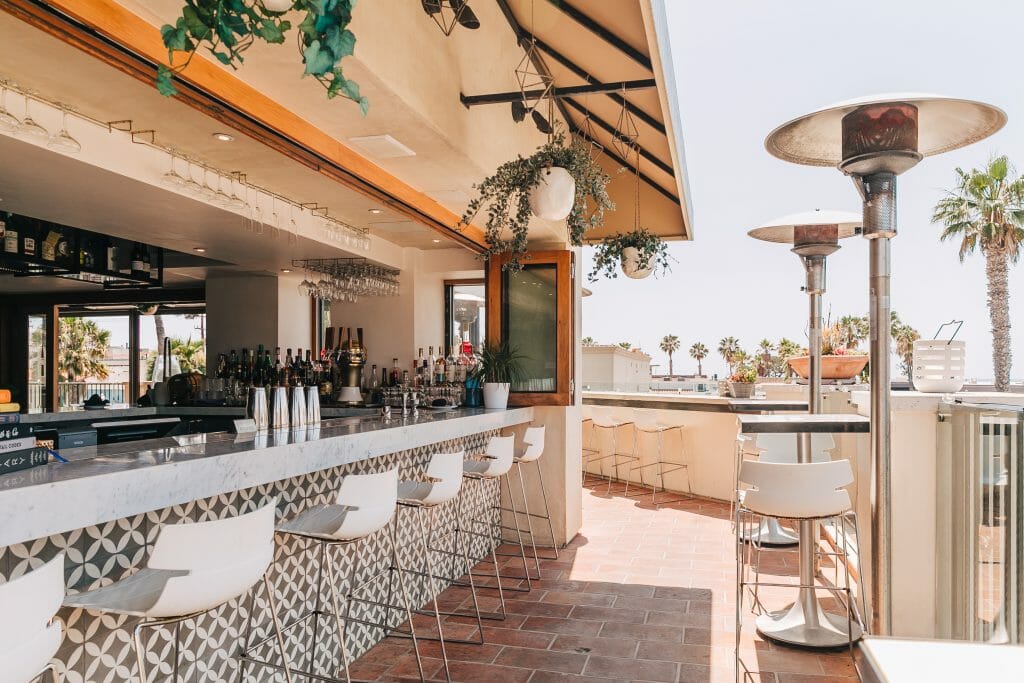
x,y
832,367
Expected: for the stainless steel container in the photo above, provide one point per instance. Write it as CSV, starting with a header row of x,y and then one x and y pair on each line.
x,y
256,408
298,412
312,406
279,408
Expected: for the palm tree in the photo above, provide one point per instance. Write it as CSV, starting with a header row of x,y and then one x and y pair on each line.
x,y
764,365
669,344
728,348
81,349
588,341
786,349
625,345
191,354
853,329
699,352
986,212
904,336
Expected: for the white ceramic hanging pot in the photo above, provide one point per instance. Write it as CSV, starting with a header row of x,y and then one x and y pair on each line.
x,y
496,395
631,264
553,196
278,5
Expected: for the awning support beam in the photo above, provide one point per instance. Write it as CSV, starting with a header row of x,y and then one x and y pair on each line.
x,y
610,129
557,93
604,34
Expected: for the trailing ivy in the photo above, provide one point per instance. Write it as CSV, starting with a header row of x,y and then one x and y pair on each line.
x,y
506,194
227,28
652,253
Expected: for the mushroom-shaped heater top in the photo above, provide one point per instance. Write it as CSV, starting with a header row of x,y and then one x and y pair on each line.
x,y
889,132
812,233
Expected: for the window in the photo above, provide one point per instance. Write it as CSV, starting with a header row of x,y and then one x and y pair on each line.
x,y
93,357
532,310
465,312
36,363
186,334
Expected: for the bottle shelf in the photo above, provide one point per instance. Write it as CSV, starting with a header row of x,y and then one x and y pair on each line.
x,y
27,266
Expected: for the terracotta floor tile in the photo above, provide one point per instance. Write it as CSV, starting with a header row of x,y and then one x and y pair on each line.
x,y
616,614
631,669
605,647
542,660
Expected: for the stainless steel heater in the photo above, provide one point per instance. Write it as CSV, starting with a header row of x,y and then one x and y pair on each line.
x,y
873,140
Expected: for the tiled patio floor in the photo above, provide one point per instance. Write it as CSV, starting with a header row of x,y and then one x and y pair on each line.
x,y
641,594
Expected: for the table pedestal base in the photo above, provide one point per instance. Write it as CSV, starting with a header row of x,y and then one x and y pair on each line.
x,y
770,532
804,623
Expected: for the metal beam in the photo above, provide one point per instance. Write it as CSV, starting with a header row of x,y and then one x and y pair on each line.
x,y
585,75
557,93
619,160
610,129
604,34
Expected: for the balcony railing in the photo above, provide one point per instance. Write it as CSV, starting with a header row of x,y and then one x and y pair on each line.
x,y
73,394
981,522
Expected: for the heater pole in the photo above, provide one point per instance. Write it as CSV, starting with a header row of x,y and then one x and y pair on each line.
x,y
815,266
879,192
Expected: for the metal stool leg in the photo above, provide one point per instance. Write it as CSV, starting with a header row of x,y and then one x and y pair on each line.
x,y
336,608
433,589
519,535
529,518
405,596
547,510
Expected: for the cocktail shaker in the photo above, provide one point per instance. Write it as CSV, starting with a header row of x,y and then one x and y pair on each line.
x,y
256,407
279,408
312,406
298,414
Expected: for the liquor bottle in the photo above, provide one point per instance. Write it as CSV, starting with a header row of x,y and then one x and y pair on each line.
x,y
405,379
10,232
29,238
277,366
395,377
439,367
111,252
288,360
268,369
450,367
138,267
63,248
383,378
147,264
311,369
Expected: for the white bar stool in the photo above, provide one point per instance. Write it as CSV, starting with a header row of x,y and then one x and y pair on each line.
x,y
364,504
533,448
646,422
603,418
30,632
804,492
193,569
493,465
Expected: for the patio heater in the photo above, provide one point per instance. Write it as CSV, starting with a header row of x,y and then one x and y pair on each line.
x,y
873,140
814,235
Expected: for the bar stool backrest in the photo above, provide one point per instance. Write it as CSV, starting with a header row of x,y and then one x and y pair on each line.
x,y
533,437
374,497
448,468
646,419
29,635
782,447
797,491
223,558
502,449
602,417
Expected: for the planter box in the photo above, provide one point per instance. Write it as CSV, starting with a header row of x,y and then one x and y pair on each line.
x,y
832,367
741,389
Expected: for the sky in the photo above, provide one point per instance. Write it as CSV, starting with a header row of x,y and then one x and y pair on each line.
x,y
744,67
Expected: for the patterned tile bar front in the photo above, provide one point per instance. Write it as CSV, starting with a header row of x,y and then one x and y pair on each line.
x,y
99,649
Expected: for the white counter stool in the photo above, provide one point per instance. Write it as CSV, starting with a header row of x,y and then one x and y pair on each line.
x,y
193,569
589,453
493,465
805,492
533,448
364,504
782,448
603,419
30,632
645,422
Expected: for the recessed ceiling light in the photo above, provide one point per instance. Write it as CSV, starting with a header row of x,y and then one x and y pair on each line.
x,y
437,241
201,250
286,270
223,137
376,212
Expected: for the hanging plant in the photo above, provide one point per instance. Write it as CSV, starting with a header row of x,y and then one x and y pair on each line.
x,y
506,194
227,28
639,253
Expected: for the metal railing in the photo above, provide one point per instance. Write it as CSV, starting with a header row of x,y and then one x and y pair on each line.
x,y
980,508
72,394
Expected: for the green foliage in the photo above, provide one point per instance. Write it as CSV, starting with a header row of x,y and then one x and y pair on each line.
x,y
744,373
903,337
625,345
729,349
82,346
652,253
227,28
506,194
588,341
699,352
499,363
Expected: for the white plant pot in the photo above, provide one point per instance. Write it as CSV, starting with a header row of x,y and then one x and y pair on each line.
x,y
278,5
939,366
630,261
553,196
496,395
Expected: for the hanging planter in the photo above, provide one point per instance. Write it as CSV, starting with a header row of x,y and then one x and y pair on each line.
x,y
638,254
553,196
227,28
509,193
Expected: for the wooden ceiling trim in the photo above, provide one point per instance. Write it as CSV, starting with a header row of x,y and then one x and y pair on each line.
x,y
111,33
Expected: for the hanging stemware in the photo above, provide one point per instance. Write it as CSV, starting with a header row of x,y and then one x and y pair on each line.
x,y
172,178
8,121
62,140
293,228
29,127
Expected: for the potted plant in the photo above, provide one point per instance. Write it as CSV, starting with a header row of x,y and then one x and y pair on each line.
x,y
639,253
742,381
497,367
540,182
839,361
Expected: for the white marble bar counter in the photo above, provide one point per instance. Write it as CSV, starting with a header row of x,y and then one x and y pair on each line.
x,y
111,482
55,419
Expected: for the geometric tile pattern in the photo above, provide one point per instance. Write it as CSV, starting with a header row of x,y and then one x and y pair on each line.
x,y
98,649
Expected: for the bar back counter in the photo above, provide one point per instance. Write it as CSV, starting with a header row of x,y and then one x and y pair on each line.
x,y
105,506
